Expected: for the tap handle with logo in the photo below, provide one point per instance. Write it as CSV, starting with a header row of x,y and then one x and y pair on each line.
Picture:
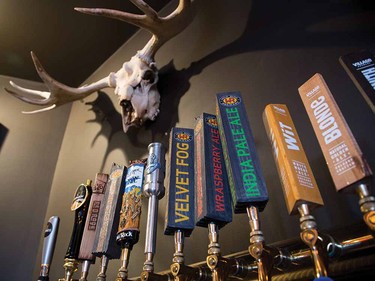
x,y
50,236
80,206
154,190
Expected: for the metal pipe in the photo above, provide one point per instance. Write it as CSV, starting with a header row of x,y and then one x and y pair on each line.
x,y
338,249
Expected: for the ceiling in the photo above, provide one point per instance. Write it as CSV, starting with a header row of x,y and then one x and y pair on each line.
x,y
70,45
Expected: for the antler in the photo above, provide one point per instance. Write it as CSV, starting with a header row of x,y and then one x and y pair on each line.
x,y
162,28
135,82
58,94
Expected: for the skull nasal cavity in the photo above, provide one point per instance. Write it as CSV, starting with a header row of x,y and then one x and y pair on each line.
x,y
148,75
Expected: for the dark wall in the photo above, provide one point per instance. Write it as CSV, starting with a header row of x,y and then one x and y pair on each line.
x,y
265,50
29,148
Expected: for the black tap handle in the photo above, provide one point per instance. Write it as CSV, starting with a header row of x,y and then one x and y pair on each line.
x,y
80,206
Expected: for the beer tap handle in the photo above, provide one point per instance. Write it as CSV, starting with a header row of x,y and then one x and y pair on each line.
x,y
345,160
88,237
299,186
180,214
154,190
50,235
213,201
80,207
105,245
130,214
247,184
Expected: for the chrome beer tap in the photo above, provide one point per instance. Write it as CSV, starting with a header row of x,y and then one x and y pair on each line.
x,y
154,190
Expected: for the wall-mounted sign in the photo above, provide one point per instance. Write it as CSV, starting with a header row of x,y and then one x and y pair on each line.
x,y
360,66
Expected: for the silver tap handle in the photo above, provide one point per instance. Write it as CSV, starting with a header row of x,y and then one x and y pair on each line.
x,y
155,171
153,188
50,235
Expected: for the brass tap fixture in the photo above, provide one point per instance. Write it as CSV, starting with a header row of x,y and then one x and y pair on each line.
x,y
310,237
263,259
367,205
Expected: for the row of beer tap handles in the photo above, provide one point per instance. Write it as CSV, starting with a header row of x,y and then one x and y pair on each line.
x,y
265,257
218,268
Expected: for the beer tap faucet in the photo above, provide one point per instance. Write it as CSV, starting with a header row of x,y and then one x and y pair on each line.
x,y
130,214
180,220
300,188
263,260
309,235
248,188
213,205
105,245
367,205
50,235
154,190
181,271
346,163
85,252
80,207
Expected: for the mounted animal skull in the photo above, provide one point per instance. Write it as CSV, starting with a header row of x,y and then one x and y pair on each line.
x,y
135,83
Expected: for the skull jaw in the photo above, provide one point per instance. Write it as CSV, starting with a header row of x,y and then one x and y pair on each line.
x,y
128,116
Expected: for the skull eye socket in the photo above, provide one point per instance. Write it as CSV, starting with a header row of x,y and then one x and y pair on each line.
x,y
149,76
126,105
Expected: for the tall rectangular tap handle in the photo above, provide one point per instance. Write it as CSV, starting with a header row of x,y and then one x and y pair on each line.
x,y
105,237
180,209
360,66
342,154
298,182
246,179
88,237
213,202
131,206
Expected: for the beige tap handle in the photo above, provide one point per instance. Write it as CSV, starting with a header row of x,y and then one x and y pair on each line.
x,y
341,151
298,182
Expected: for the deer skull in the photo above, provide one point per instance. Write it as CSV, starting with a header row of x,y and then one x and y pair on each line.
x,y
135,83
137,92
